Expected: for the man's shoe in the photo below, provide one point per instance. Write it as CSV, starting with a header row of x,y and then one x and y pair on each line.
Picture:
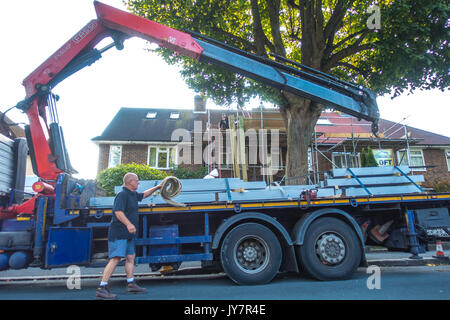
x,y
105,294
134,288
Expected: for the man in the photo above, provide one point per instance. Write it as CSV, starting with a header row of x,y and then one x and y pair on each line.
x,y
223,124
121,234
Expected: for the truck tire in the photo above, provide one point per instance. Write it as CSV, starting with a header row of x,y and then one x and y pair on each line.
x,y
331,250
251,254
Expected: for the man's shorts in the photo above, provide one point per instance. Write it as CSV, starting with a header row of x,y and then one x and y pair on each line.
x,y
121,248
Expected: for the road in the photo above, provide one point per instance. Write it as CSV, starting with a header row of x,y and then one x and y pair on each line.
x,y
394,283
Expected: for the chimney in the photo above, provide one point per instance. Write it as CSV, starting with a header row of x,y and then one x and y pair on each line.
x,y
199,104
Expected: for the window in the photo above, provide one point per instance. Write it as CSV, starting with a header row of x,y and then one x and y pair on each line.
x,y
174,115
310,160
324,122
161,157
415,156
447,155
115,155
345,160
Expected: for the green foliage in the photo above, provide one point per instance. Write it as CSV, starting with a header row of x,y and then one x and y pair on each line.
x,y
368,158
409,51
439,185
363,158
111,177
186,173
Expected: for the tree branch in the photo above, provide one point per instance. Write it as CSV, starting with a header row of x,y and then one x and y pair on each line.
x,y
335,19
292,4
319,15
273,6
258,32
352,67
333,25
337,57
248,46
362,32
270,46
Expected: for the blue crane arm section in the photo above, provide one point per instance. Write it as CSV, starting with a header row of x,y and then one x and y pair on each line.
x,y
347,98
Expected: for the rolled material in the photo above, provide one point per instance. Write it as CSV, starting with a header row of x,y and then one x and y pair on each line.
x,y
170,188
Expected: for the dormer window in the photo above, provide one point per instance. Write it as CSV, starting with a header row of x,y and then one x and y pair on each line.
x,y
324,122
175,115
151,115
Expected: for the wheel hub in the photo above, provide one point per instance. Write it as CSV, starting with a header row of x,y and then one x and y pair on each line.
x,y
252,255
330,249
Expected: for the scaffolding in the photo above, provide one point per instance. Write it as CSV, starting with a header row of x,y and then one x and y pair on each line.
x,y
348,143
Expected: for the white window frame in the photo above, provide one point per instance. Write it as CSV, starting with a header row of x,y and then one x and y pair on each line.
x,y
334,155
110,159
151,115
410,156
324,122
171,149
310,160
447,158
174,115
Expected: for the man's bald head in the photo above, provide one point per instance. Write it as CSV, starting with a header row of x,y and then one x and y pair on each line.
x,y
130,180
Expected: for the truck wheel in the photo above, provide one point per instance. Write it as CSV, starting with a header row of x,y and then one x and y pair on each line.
x,y
331,250
251,254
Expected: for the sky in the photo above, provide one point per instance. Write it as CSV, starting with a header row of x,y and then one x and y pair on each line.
x,y
31,31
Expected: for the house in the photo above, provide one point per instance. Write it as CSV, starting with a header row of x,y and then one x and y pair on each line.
x,y
163,138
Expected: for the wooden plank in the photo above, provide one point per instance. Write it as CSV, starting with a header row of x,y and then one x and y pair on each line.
x,y
242,149
234,154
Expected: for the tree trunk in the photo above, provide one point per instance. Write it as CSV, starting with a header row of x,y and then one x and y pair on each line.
x,y
300,119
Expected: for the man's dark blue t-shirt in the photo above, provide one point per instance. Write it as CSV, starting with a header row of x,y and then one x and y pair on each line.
x,y
127,202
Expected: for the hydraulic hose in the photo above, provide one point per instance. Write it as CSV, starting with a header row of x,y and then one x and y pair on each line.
x,y
170,188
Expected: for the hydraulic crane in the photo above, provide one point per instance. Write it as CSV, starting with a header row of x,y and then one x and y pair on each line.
x,y
49,156
254,234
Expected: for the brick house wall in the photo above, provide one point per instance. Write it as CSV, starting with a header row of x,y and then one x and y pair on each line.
x,y
103,156
334,137
435,157
136,153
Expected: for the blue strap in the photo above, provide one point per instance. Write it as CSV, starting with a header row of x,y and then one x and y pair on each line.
x,y
407,177
359,181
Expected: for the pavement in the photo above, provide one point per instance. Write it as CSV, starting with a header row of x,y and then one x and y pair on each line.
x,y
383,258
375,256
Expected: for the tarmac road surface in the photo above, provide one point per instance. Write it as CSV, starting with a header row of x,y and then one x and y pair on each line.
x,y
394,283
426,280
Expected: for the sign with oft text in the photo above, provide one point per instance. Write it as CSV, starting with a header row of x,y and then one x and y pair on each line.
x,y
383,157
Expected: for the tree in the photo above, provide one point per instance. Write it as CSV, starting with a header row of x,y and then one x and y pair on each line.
x,y
368,158
371,161
182,172
363,158
409,51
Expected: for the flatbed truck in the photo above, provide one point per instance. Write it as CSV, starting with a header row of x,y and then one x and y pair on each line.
x,y
251,235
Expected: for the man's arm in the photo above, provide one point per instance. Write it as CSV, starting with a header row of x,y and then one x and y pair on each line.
x,y
123,218
148,192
